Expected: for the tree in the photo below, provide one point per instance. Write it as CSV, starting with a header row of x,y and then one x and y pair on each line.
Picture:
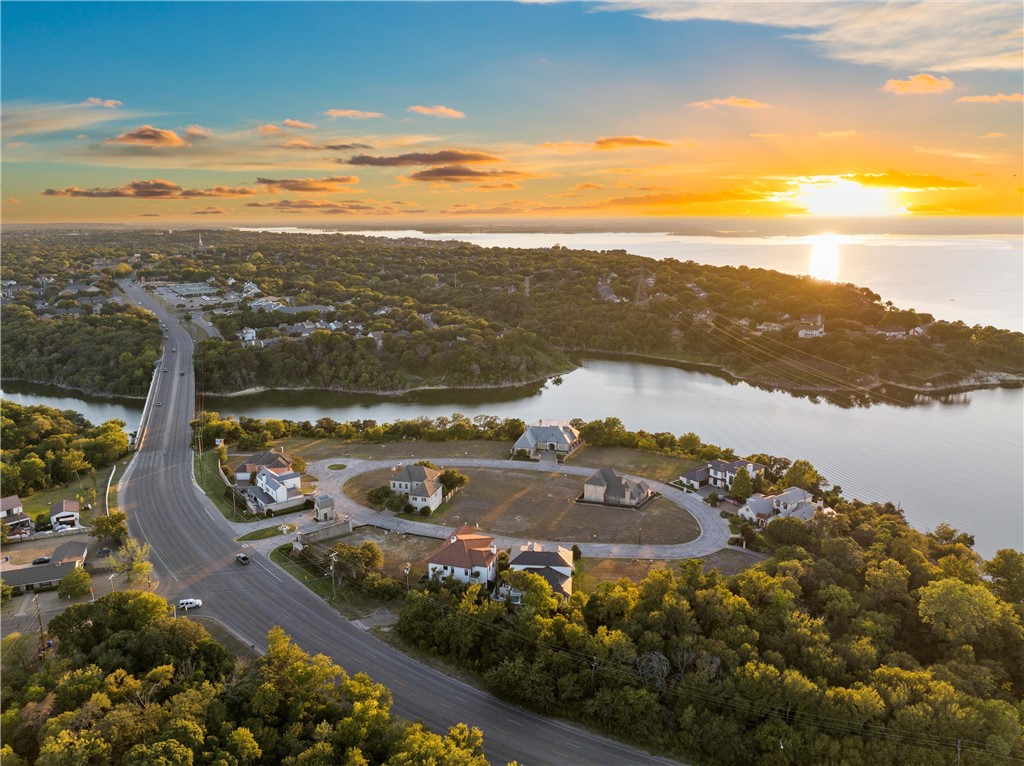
x,y
804,475
6,592
378,497
452,480
742,486
1007,571
958,612
75,583
133,561
298,464
112,528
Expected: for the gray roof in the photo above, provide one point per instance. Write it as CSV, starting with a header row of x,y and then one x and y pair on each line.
x,y
557,431
617,486
535,557
9,503
63,560
560,584
415,474
324,501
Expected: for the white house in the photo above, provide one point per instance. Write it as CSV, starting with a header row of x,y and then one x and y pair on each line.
x,y
791,503
467,556
719,473
65,512
420,483
12,513
551,436
811,332
607,486
279,486
275,459
247,335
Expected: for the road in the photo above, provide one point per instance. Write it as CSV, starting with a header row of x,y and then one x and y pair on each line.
x,y
193,556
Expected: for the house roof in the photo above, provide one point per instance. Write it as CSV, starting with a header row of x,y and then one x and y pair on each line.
x,y
65,506
15,518
616,486
414,474
425,488
561,584
696,474
324,501
276,458
9,503
465,548
557,431
66,556
532,555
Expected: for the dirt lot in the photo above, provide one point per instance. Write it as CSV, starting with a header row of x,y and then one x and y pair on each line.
x,y
540,506
321,449
651,465
590,573
398,550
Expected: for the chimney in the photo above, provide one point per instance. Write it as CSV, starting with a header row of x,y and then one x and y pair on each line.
x,y
453,538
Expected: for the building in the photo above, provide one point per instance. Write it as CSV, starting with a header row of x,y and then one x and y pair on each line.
x,y
608,487
323,508
66,557
275,459
719,473
466,555
420,483
65,512
555,567
552,437
12,514
791,503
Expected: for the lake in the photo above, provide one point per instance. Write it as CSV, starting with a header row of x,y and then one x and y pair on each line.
x,y
958,459
976,279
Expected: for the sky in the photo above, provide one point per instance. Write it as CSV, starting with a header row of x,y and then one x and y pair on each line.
x,y
291,113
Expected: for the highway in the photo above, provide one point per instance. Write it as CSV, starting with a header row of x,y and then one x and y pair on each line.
x,y
193,556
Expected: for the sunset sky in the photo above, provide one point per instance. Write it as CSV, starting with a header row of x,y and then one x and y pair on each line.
x,y
289,113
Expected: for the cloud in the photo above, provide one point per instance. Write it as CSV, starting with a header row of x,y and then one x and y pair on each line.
x,y
466,209
565,147
628,142
327,207
998,98
270,130
16,144
734,101
196,132
957,153
106,103
766,135
309,185
12,201
438,111
896,34
298,124
154,188
584,186
147,135
25,119
917,85
993,135
894,179
300,143
346,147
830,134
209,210
687,198
500,186
460,173
352,114
442,157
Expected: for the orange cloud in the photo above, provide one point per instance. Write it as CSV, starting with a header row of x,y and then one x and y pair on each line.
x,y
209,210
894,179
269,130
309,185
584,186
147,135
628,142
438,111
502,186
196,132
998,98
917,85
106,103
765,135
352,114
327,207
734,101
298,124
154,188
993,135
460,173
442,157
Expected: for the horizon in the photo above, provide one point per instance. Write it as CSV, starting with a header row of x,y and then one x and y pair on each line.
x,y
401,115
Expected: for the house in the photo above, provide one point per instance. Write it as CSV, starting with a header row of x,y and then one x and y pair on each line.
x,y
554,566
65,512
323,508
66,557
421,485
769,327
892,333
276,459
607,486
247,335
719,473
791,503
12,514
549,436
466,555
275,489
817,331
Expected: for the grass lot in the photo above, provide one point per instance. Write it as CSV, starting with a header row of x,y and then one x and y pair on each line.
x,y
322,449
651,465
40,501
539,506
590,573
213,487
266,532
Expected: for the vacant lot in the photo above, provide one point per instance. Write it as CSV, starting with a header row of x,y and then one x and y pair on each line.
x,y
650,465
540,506
590,573
321,449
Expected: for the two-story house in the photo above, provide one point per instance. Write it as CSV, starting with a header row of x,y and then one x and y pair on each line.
x,y
467,556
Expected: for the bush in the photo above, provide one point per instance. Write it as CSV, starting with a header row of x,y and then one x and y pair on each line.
x,y
424,511
713,500
577,554
386,588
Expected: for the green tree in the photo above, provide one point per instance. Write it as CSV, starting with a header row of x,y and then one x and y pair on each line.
x,y
958,612
75,583
742,486
132,560
6,592
112,528
1006,569
452,479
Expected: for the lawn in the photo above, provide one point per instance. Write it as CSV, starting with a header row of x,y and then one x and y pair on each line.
x,y
539,506
591,572
650,465
267,532
40,501
213,486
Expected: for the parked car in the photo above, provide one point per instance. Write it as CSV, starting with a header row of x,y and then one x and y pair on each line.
x,y
103,552
41,560
61,528
19,533
190,603
241,558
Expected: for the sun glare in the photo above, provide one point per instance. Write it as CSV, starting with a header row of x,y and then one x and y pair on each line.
x,y
841,197
823,262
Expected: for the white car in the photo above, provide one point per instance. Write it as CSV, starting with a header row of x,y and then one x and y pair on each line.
x,y
190,603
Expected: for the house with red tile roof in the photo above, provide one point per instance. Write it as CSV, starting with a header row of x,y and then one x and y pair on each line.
x,y
466,555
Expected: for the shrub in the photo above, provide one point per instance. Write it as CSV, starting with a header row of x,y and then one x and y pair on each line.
x,y
424,511
713,500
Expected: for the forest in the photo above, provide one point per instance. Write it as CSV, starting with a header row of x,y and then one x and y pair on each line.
x,y
859,641
130,685
44,447
455,314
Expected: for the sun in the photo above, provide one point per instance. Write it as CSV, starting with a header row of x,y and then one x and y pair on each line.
x,y
841,197
824,259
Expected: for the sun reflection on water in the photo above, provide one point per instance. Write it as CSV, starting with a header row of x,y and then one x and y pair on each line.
x,y
823,262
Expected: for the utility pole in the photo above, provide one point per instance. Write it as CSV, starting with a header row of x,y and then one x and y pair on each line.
x,y
334,587
42,632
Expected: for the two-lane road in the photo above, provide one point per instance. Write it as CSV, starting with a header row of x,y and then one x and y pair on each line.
x,y
193,556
